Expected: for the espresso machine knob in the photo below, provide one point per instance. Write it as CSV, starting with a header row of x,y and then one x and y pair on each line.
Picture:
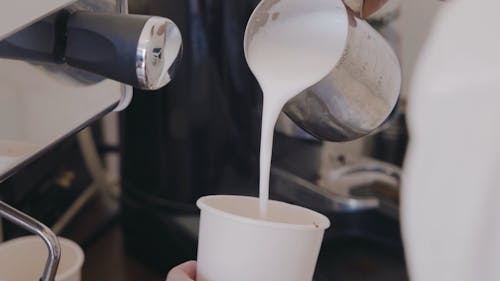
x,y
142,51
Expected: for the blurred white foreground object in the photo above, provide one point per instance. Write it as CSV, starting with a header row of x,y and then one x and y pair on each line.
x,y
450,194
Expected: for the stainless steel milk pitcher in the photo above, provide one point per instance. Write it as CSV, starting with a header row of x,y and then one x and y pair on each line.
x,y
362,88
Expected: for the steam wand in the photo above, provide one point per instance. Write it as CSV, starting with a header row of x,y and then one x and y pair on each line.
x,y
28,223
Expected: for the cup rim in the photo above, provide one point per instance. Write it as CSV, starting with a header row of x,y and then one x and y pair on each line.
x,y
322,223
69,244
80,256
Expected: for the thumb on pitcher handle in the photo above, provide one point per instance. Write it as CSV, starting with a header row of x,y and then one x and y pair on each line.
x,y
364,8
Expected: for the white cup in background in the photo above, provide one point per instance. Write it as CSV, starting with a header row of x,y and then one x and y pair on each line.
x,y
235,244
23,259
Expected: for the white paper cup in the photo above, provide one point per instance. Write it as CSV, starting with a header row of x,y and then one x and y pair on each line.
x,y
23,259
235,244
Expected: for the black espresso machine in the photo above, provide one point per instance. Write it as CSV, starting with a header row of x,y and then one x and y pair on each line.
x,y
200,135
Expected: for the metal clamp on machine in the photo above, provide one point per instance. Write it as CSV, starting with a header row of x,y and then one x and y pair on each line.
x,y
35,227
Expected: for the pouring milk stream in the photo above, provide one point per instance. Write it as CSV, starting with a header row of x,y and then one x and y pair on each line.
x,y
329,71
287,56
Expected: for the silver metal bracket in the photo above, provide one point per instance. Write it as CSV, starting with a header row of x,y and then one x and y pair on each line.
x,y
30,224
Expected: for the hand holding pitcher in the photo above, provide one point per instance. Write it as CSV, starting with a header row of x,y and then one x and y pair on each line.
x,y
365,8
